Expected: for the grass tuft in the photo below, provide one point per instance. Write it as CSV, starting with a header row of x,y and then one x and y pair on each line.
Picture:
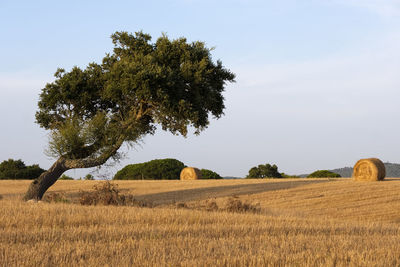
x,y
212,205
54,197
181,205
236,205
107,193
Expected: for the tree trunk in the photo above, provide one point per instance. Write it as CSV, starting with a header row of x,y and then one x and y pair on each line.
x,y
40,185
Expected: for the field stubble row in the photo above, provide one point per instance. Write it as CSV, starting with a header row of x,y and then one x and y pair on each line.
x,y
321,223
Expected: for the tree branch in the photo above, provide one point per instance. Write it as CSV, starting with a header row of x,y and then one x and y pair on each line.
x,y
94,162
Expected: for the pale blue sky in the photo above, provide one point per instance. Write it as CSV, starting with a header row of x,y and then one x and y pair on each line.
x,y
317,81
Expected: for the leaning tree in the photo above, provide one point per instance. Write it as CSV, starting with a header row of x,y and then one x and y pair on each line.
x,y
91,112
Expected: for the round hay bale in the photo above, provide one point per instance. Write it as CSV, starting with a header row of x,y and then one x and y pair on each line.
x,y
190,173
371,169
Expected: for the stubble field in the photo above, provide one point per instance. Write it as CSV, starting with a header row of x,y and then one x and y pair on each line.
x,y
295,222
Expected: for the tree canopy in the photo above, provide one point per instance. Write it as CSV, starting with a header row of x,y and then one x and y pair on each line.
x,y
264,171
157,169
16,169
323,174
209,174
91,112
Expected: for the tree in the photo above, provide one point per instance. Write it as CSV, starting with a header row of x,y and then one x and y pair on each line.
x,y
284,175
88,177
323,174
91,112
208,174
264,171
65,177
16,169
157,169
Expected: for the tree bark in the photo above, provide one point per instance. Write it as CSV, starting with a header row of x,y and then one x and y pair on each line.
x,y
40,185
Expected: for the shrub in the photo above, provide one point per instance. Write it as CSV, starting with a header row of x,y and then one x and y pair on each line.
x,y
212,206
232,204
323,174
284,175
88,177
53,197
16,169
158,169
236,205
65,177
108,193
264,171
105,194
208,174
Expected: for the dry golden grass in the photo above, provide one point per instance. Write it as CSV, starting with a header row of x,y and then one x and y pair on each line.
x,y
316,222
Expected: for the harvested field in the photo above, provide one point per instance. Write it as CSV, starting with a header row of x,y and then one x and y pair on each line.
x,y
316,222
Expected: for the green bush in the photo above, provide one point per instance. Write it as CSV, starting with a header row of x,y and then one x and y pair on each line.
x,y
284,175
208,174
323,174
65,177
158,169
264,171
16,169
88,177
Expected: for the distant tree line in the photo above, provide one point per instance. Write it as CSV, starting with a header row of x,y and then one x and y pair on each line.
x,y
208,174
323,174
268,171
16,169
271,171
158,169
264,171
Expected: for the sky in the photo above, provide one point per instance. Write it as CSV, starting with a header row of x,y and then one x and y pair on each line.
x,y
317,81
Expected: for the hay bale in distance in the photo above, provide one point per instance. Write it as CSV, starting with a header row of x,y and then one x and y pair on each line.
x,y
190,173
371,169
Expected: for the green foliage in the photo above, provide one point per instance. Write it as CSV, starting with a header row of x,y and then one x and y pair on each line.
x,y
16,169
65,177
284,175
264,171
88,177
158,169
91,112
323,174
208,174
